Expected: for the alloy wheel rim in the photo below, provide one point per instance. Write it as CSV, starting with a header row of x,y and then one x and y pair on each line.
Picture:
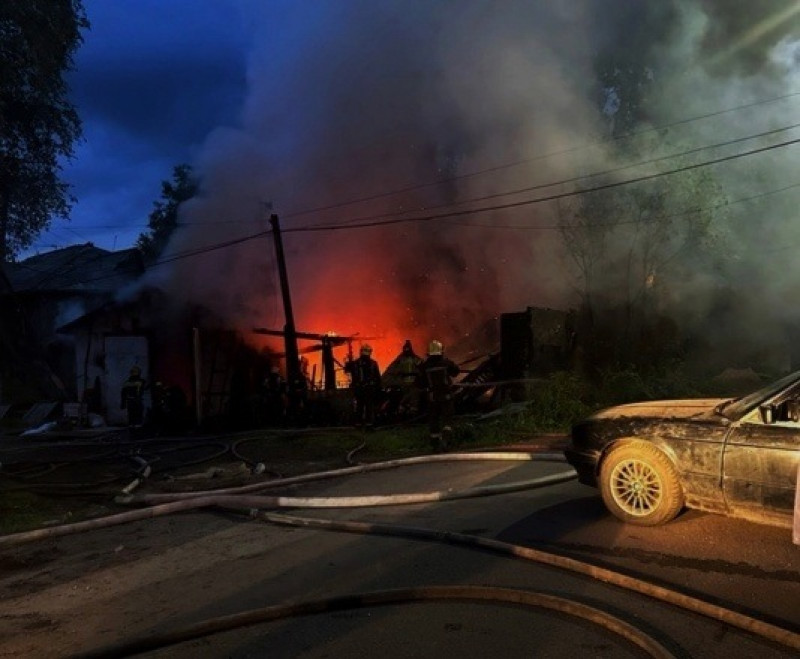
x,y
636,487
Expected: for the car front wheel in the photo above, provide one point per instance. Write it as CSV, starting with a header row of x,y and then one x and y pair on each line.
x,y
640,485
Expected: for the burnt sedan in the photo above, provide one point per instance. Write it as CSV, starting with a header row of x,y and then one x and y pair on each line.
x,y
736,456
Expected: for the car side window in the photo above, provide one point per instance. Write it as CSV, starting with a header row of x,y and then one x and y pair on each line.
x,y
786,412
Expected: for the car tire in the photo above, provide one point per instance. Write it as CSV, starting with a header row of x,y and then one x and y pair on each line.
x,y
640,485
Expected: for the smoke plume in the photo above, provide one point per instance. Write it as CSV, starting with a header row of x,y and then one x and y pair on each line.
x,y
449,102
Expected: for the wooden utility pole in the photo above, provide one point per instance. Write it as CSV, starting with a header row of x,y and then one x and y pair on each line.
x,y
293,375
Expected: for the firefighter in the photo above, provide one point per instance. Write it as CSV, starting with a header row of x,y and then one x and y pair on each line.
x,y
275,393
132,396
436,375
400,379
365,381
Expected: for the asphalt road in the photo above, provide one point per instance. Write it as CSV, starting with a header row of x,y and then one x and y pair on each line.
x,y
151,577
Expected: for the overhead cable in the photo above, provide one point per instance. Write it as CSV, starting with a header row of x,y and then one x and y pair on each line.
x,y
462,213
544,156
539,200
575,179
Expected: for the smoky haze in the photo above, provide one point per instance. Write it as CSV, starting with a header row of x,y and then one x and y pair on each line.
x,y
356,99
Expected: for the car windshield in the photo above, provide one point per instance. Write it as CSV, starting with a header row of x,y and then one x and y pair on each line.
x,y
737,407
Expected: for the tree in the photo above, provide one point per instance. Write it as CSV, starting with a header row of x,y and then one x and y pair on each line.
x,y
164,218
636,247
38,124
639,249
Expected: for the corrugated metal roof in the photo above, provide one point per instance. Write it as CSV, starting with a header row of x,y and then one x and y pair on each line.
x,y
79,267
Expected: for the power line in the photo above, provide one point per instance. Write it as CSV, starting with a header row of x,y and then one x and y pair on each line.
x,y
551,154
574,179
211,248
655,218
495,195
483,171
508,166
260,234
538,200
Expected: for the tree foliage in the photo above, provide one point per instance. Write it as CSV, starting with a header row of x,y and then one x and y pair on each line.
x,y
641,238
637,248
164,218
38,124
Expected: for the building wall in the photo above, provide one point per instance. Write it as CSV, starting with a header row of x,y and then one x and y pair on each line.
x,y
105,351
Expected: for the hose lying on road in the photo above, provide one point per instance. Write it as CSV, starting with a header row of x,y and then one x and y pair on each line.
x,y
366,501
512,456
383,598
733,618
254,502
25,464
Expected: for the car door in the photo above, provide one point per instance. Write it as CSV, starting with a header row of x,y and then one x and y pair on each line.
x,y
760,465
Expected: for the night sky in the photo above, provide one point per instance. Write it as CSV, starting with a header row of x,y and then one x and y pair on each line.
x,y
151,80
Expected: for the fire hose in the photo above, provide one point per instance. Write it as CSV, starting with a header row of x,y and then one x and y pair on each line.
x,y
513,456
383,598
25,465
236,499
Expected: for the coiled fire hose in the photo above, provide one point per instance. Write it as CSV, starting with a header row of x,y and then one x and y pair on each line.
x,y
239,501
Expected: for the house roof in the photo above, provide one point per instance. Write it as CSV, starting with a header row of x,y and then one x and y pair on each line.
x,y
75,268
144,301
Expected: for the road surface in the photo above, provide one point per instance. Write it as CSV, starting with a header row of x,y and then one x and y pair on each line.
x,y
83,592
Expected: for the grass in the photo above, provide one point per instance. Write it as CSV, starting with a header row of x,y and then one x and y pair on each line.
x,y
552,406
22,511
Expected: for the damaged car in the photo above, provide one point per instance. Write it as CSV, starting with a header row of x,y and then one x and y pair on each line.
x,y
736,456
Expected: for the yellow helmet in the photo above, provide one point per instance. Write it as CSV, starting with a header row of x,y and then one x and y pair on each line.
x,y
435,348
366,349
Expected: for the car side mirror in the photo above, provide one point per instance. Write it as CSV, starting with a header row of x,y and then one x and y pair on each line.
x,y
767,414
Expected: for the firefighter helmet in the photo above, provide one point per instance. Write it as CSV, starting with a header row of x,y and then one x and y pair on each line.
x,y
435,348
366,349
135,371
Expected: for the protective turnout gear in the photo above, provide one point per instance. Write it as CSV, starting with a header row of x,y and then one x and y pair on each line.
x,y
366,384
132,396
436,378
400,379
275,396
404,368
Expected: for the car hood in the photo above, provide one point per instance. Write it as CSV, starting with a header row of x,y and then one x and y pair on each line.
x,y
661,409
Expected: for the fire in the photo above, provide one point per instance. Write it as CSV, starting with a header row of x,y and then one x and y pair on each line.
x,y
357,294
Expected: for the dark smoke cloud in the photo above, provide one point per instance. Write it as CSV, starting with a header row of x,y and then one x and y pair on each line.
x,y
348,100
